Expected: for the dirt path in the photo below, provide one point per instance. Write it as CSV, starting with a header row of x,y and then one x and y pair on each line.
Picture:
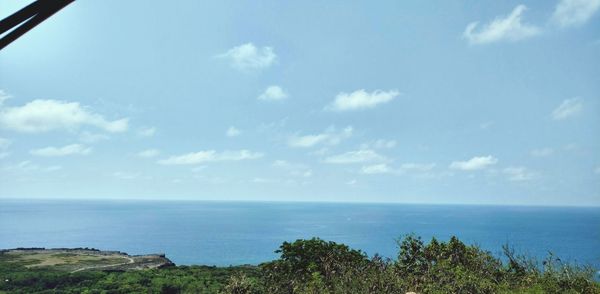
x,y
104,266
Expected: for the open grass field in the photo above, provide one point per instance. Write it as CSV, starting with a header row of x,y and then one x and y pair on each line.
x,y
74,260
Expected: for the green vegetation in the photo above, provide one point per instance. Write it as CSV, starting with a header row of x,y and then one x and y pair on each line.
x,y
317,266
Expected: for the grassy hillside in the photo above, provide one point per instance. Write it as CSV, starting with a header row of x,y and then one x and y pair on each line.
x,y
305,266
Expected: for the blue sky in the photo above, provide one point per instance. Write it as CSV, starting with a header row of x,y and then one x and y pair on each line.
x,y
478,102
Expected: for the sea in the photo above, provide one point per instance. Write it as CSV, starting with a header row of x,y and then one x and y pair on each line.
x,y
235,233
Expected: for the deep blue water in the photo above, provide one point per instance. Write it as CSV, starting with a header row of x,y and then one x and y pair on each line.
x,y
225,233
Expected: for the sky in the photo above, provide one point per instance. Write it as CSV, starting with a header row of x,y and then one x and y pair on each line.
x,y
444,102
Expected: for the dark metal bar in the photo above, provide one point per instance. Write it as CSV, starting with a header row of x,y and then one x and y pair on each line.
x,y
27,18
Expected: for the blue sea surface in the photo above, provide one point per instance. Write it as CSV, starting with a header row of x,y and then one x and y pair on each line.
x,y
232,233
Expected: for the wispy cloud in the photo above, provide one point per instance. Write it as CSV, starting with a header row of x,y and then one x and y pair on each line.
x,y
210,156
47,115
3,97
148,153
502,28
123,175
273,93
29,167
4,143
294,169
568,108
519,174
475,163
331,136
73,149
417,167
361,99
486,125
248,57
570,13
379,144
146,132
542,152
233,132
358,156
375,169
88,137
405,168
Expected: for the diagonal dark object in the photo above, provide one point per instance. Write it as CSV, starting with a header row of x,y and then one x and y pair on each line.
x,y
27,18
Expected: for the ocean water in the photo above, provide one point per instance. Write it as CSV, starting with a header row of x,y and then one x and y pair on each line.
x,y
232,233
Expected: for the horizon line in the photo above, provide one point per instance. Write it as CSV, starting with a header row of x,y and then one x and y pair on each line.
x,y
301,201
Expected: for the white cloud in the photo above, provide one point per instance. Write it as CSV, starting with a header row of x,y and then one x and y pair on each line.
x,y
543,152
413,168
294,169
330,137
233,132
307,140
379,144
273,93
210,156
519,174
148,153
376,169
475,163
360,99
358,156
568,108
147,132
248,57
48,115
574,12
73,149
502,28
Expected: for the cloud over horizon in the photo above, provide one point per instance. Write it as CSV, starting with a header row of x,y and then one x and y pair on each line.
x,y
475,163
210,156
73,149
